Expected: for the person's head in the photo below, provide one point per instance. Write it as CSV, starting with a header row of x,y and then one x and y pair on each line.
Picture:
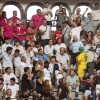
x,y
8,70
94,71
78,20
75,38
14,13
23,59
62,51
39,12
19,23
59,40
90,34
84,42
61,81
96,6
28,47
3,14
12,81
17,52
9,21
60,5
30,24
9,50
72,72
17,43
98,32
30,97
46,4
65,23
46,82
50,42
46,64
89,15
27,70
7,98
64,11
40,52
53,59
9,92
26,92
59,28
44,22
78,11
7,40
74,23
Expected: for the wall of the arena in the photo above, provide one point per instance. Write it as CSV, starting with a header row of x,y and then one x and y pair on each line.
x,y
24,4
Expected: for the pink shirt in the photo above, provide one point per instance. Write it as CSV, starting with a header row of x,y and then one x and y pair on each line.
x,y
20,31
8,32
14,20
38,20
3,22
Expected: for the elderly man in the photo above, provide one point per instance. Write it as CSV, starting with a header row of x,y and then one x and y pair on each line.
x,y
64,59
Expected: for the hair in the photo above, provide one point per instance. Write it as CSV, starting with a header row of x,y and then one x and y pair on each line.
x,y
55,67
12,79
39,50
1,79
46,2
14,11
22,57
97,4
17,51
6,69
53,57
38,10
46,64
4,14
26,69
27,46
8,49
7,98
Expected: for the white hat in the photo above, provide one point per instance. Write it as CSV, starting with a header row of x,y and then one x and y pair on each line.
x,y
59,76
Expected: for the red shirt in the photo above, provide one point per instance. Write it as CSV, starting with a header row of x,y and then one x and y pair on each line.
x,y
8,32
38,20
14,20
20,31
58,34
3,22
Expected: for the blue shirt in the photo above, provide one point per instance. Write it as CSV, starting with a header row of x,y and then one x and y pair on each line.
x,y
90,25
76,45
44,57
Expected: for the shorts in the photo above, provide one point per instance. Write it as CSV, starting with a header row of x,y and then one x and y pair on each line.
x,y
87,93
97,89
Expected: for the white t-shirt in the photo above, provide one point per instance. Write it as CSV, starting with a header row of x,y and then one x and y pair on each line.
x,y
75,31
17,62
57,47
7,78
63,59
7,60
14,89
49,50
45,35
96,14
47,17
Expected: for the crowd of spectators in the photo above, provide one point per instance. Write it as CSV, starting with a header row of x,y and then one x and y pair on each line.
x,y
37,63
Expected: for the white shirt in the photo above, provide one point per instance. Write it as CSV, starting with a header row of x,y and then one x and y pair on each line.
x,y
86,48
28,59
96,14
47,17
22,66
45,35
7,60
57,47
63,59
7,78
20,48
51,66
14,89
17,62
49,50
75,31
4,46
